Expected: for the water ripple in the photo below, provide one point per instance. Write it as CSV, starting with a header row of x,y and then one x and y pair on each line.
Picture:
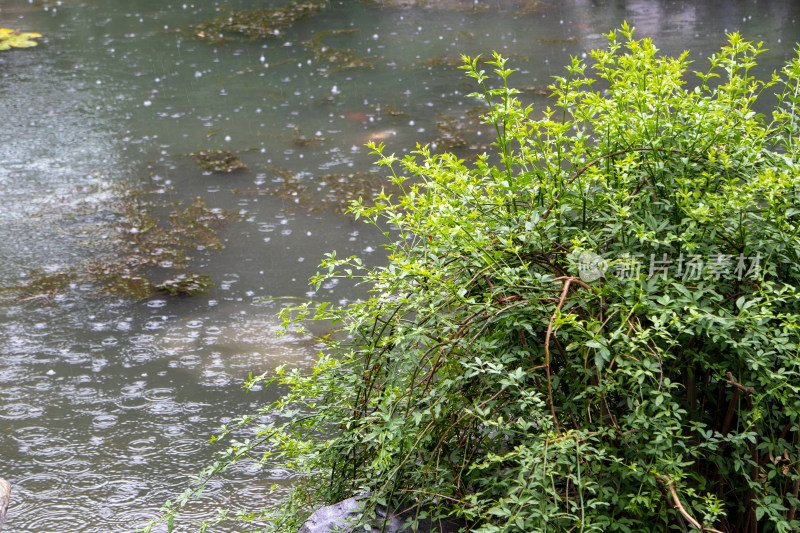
x,y
43,517
38,485
132,402
88,481
16,411
54,451
105,421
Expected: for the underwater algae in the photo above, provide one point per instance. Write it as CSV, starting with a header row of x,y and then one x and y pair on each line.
x,y
217,160
330,59
333,192
255,23
136,252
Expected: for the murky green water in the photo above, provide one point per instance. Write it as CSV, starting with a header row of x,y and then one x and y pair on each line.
x,y
105,402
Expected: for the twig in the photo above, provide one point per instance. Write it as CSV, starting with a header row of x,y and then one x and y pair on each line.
x,y
564,291
731,381
679,506
547,336
795,490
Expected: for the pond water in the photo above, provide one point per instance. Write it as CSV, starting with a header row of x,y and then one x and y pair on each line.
x,y
106,401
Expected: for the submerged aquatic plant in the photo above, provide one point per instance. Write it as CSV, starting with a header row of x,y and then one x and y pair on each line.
x,y
186,284
539,90
450,5
440,61
256,23
218,160
463,132
303,140
139,247
17,39
390,110
336,192
331,59
271,23
530,7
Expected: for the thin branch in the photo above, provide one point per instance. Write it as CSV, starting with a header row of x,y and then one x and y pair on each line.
x,y
564,291
547,336
731,381
795,490
676,501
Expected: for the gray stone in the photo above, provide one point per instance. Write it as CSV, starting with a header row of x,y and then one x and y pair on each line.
x,y
339,516
5,493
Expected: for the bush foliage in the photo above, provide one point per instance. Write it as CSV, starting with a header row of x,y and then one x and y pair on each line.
x,y
495,376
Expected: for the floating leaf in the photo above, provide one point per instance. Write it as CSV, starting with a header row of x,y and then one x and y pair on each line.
x,y
15,39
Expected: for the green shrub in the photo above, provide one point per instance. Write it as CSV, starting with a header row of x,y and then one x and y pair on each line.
x,y
493,373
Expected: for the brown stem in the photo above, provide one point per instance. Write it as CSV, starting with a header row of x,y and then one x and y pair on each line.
x,y
561,350
676,501
795,490
691,390
564,292
751,495
786,430
726,425
731,381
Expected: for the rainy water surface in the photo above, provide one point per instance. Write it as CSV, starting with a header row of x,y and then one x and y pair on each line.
x,y
106,401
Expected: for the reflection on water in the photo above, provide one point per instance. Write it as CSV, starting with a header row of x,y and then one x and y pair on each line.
x,y
105,403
